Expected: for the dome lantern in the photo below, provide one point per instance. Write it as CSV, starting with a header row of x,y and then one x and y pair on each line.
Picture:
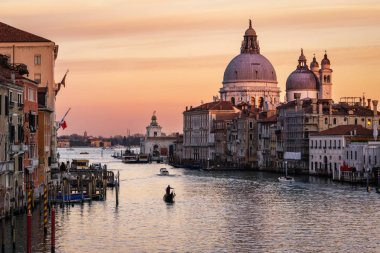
x,y
250,45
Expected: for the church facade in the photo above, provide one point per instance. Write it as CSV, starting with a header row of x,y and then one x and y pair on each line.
x,y
156,144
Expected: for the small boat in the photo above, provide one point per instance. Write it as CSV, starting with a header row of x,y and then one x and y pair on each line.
x,y
286,179
143,158
169,198
164,172
83,153
130,159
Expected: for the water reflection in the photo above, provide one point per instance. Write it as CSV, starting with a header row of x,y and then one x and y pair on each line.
x,y
214,212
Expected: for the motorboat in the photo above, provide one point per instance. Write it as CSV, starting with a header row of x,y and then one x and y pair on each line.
x,y
286,179
83,153
169,198
130,159
164,172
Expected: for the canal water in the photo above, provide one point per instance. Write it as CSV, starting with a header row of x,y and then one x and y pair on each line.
x,y
222,211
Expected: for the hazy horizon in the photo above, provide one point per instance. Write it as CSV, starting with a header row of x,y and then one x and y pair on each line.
x,y
130,58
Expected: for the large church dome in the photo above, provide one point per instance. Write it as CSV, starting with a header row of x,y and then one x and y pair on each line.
x,y
250,77
248,67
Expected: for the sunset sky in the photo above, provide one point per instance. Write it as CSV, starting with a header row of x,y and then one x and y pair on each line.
x,y
130,58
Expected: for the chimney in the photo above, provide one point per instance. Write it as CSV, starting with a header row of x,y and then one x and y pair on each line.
x,y
374,103
330,107
186,108
314,105
13,77
369,103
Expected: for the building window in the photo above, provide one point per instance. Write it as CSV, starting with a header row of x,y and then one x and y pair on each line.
x,y
369,122
37,78
326,121
334,144
347,155
330,144
19,99
334,121
312,166
356,155
339,144
37,59
356,121
31,95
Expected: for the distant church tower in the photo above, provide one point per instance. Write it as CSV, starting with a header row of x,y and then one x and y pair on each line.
x,y
153,130
325,75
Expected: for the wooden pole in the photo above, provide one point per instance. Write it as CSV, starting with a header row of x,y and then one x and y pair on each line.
x,y
45,210
52,230
13,230
2,229
29,232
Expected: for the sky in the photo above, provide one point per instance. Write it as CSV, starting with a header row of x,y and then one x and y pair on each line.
x,y
129,58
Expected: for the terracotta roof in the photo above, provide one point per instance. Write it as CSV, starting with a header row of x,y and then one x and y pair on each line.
x,y
215,106
347,130
12,34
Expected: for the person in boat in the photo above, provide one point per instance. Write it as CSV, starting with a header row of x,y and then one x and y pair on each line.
x,y
168,190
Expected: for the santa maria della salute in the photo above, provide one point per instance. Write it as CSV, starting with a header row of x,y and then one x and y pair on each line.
x,y
251,78
249,127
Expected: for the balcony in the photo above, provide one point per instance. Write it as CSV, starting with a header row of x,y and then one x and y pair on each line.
x,y
20,106
8,166
11,104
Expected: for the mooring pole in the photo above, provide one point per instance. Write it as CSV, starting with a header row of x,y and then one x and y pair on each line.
x,y
29,232
2,230
13,230
52,230
45,210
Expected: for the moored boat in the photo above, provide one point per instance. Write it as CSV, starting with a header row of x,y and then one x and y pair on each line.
x,y
130,159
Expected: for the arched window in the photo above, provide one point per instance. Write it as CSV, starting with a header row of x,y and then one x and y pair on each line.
x,y
324,78
233,100
334,121
356,121
326,121
328,79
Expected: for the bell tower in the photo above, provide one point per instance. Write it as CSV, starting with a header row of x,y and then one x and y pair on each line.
x,y
325,76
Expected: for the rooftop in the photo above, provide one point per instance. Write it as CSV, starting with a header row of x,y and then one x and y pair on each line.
x,y
12,34
356,130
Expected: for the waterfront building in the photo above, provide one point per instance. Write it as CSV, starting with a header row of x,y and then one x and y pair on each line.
x,y
63,143
242,138
39,54
198,135
250,77
155,143
30,108
11,135
267,140
361,159
328,149
302,117
44,136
